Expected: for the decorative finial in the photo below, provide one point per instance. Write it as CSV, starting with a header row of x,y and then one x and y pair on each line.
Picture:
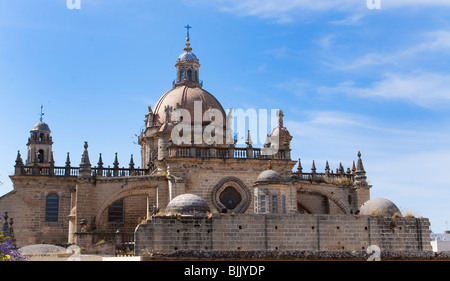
x,y
249,141
68,160
188,27
116,161
280,118
188,45
131,162
269,166
359,154
100,161
42,113
19,160
168,110
299,167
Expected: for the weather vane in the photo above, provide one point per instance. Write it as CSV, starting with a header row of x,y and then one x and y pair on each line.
x,y
42,113
188,27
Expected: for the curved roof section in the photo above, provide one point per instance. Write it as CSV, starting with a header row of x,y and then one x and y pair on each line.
x,y
188,56
188,205
185,97
41,127
379,207
269,176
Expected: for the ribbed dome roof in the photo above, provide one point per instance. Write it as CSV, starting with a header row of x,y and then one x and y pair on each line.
x,y
185,96
187,205
40,127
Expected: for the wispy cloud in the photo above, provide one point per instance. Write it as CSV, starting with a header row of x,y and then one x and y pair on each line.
x,y
326,41
353,19
423,89
280,53
432,42
286,11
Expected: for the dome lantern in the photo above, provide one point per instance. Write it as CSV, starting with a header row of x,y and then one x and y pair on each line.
x,y
188,66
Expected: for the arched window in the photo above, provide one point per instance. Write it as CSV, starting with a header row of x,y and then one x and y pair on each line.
x,y
51,207
40,156
196,76
181,74
189,75
115,212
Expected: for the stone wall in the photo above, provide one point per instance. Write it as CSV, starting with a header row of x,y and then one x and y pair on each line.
x,y
248,232
27,204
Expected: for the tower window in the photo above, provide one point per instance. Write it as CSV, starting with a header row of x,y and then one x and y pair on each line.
x,y
189,75
262,200
40,156
181,74
274,204
51,207
115,212
196,76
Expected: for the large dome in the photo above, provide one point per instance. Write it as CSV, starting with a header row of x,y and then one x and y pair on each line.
x,y
379,207
187,205
185,96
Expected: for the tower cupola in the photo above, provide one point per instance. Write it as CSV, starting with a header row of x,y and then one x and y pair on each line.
x,y
40,143
188,66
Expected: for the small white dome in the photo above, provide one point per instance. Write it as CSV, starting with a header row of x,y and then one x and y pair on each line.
x,y
40,127
379,207
269,176
187,205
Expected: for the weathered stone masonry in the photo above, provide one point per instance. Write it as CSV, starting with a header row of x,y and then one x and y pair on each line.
x,y
244,232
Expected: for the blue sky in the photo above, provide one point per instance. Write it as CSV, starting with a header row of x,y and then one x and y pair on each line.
x,y
348,78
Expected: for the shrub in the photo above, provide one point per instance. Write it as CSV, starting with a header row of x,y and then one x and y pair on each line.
x,y
8,251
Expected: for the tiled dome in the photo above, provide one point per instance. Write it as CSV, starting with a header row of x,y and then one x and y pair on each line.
x,y
188,56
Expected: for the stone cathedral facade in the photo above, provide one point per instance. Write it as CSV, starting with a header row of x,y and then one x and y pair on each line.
x,y
206,179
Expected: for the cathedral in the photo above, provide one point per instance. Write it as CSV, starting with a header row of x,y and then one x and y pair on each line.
x,y
191,168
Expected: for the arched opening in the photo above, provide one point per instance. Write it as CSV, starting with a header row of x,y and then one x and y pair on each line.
x,y
196,76
181,74
115,212
40,156
51,207
189,75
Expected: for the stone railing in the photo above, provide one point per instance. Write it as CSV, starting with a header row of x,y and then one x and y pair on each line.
x,y
74,172
336,178
232,152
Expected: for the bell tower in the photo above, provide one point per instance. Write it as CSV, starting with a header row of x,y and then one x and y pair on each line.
x,y
40,144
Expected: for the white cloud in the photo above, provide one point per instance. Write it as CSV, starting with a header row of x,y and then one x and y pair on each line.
x,y
285,11
326,41
435,41
351,20
423,89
